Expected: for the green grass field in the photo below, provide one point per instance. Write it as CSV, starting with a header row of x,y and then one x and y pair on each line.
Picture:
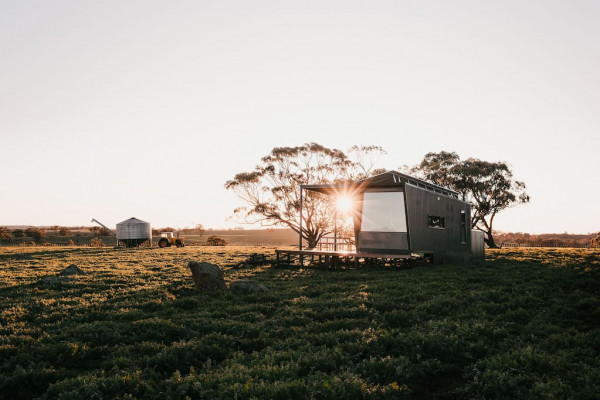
x,y
523,324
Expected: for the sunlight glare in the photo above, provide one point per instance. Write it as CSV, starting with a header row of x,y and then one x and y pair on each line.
x,y
344,203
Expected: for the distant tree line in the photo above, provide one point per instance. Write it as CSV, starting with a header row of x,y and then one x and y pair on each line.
x,y
36,234
99,231
548,239
197,230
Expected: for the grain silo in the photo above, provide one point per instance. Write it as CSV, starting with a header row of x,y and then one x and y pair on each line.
x,y
133,232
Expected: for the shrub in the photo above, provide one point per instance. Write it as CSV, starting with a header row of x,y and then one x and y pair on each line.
x,y
5,237
596,241
95,242
100,231
214,240
35,233
71,243
64,231
19,233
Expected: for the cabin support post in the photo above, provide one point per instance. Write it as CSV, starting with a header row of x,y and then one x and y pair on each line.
x,y
300,257
335,230
300,230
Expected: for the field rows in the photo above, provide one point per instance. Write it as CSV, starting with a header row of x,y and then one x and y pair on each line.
x,y
523,324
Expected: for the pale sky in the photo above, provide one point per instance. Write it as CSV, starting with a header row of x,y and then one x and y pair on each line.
x,y
114,109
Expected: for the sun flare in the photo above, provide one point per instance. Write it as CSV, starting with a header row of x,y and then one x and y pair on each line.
x,y
344,203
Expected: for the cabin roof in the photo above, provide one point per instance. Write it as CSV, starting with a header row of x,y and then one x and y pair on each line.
x,y
387,179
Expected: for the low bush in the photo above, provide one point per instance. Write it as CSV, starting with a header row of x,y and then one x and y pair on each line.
x,y
214,240
19,233
36,234
96,242
5,237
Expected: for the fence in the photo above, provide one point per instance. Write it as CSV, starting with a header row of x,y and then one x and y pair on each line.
x,y
48,244
113,244
328,243
552,245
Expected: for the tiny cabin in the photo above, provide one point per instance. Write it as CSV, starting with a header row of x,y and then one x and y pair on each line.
x,y
395,214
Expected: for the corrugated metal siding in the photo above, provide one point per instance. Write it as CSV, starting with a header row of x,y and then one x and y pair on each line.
x,y
134,229
477,245
444,243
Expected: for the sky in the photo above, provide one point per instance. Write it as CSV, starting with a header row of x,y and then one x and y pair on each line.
x,y
114,109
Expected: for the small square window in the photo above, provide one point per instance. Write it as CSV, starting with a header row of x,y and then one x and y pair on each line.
x,y
436,222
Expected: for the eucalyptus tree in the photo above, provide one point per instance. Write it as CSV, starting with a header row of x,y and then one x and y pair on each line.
x,y
489,186
271,190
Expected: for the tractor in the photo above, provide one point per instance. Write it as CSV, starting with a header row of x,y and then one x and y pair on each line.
x,y
168,239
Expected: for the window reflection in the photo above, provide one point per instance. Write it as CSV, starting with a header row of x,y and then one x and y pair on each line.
x,y
383,212
436,222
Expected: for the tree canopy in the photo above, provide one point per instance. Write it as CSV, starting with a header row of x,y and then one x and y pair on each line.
x,y
272,190
489,186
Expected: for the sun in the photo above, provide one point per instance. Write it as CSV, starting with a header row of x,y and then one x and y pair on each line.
x,y
344,203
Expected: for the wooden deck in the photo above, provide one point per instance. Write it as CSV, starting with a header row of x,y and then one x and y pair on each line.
x,y
333,258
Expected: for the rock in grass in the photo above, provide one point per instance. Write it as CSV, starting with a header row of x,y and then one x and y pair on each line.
x,y
207,276
247,286
73,270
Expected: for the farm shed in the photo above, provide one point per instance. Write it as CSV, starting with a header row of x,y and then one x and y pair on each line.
x,y
396,215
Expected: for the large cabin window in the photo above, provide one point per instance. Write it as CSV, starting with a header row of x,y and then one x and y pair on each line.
x,y
383,212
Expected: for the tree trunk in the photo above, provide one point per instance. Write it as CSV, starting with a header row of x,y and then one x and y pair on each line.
x,y
489,240
312,238
311,242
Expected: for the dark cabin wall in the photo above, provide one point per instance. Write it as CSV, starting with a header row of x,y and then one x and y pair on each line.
x,y
444,243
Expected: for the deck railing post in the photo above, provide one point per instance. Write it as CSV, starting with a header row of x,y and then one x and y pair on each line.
x,y
300,233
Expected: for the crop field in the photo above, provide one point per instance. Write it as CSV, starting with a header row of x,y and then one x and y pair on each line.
x,y
523,324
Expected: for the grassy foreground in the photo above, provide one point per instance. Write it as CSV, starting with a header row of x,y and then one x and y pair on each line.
x,y
523,324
